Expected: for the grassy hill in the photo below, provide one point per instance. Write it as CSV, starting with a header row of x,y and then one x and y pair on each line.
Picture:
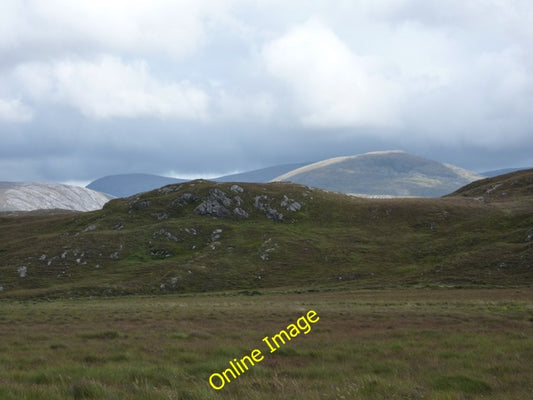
x,y
205,236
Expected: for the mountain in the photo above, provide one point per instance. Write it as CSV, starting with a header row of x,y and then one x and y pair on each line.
x,y
389,173
497,172
129,184
203,236
125,185
20,196
262,175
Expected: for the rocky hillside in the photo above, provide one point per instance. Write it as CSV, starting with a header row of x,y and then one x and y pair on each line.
x,y
514,185
204,236
18,196
385,173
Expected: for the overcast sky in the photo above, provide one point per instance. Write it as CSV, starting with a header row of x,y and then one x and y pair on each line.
x,y
194,88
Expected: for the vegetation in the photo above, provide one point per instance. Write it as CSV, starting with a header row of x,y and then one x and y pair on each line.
x,y
145,299
156,243
393,344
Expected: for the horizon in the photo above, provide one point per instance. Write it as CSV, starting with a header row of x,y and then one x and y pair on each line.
x,y
208,88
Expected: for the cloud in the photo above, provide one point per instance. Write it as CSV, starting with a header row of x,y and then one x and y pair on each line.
x,y
109,87
331,85
12,110
174,28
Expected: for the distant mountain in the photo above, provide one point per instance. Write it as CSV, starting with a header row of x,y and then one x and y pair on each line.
x,y
389,173
490,174
21,196
262,175
129,184
125,185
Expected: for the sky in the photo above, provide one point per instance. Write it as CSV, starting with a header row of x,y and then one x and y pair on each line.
x,y
203,88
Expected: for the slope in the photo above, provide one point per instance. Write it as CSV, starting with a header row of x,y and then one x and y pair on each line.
x,y
262,175
19,196
393,173
203,236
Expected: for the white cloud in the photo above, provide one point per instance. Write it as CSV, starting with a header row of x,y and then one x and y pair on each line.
x,y
109,87
12,110
175,28
332,86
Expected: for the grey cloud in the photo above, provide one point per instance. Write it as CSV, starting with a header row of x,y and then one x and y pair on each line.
x,y
212,87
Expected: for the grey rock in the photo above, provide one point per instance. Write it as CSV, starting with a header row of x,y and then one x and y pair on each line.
x,y
236,189
239,212
274,215
141,205
215,204
212,207
290,204
118,227
262,203
90,228
163,232
217,194
22,271
184,199
160,215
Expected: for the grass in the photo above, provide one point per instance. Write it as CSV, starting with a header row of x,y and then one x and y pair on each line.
x,y
332,239
386,344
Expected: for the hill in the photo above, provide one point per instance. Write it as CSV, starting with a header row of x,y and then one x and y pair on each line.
x,y
20,196
205,236
392,173
262,175
125,185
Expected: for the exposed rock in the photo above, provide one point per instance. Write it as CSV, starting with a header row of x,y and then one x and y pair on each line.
x,y
118,227
217,194
274,215
262,203
290,204
160,215
216,234
191,231
22,271
90,228
239,212
236,189
238,200
184,199
212,207
215,204
1,288
141,205
163,232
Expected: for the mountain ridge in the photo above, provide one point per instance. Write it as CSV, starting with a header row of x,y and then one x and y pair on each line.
x,y
390,173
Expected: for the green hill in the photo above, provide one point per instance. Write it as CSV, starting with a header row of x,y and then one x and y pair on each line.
x,y
204,236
